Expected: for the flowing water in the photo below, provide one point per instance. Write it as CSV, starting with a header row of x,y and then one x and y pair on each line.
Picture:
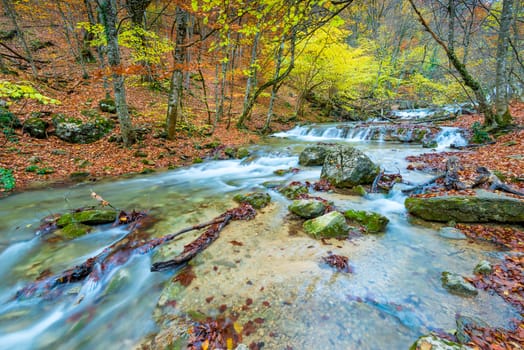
x,y
392,297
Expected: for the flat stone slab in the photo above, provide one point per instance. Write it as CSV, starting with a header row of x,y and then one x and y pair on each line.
x,y
484,207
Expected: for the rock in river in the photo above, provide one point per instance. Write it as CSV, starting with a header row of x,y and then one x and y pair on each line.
x,y
347,167
373,222
432,342
307,208
313,155
331,225
456,284
257,200
484,207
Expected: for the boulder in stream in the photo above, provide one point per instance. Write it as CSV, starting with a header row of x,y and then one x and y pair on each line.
x,y
88,217
257,200
313,155
456,284
432,342
307,208
293,190
347,167
483,268
73,230
330,225
484,207
372,222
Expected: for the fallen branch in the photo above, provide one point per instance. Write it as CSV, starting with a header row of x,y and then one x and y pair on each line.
x,y
135,243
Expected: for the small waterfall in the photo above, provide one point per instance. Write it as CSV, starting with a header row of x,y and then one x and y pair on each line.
x,y
450,136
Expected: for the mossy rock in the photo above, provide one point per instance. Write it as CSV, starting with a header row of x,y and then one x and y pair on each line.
x,y
307,208
484,207
73,230
456,284
360,190
257,200
242,152
107,105
373,222
8,119
483,268
313,155
432,342
293,191
331,225
36,127
88,217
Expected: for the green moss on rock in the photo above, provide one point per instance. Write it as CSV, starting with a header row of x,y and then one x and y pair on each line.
x,y
373,222
257,200
88,217
73,230
307,208
292,191
484,207
331,225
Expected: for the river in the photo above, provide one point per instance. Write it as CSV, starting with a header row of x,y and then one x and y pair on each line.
x,y
392,297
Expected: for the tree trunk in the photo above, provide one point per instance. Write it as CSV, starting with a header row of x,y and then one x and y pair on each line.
x,y
501,75
174,105
252,74
272,82
12,15
469,81
275,87
109,16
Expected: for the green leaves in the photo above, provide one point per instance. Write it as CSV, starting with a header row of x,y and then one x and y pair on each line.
x,y
7,180
23,91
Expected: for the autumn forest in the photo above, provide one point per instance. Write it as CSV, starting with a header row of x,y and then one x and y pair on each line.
x,y
275,174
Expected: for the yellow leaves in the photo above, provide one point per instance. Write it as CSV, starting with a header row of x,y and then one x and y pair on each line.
x,y
238,327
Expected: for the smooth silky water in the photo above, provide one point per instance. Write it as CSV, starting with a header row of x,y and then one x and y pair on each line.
x,y
392,297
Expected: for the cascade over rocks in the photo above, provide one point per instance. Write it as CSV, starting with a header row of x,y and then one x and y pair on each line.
x,y
347,167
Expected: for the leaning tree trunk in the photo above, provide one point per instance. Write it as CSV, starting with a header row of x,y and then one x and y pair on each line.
x,y
174,104
109,11
483,105
501,75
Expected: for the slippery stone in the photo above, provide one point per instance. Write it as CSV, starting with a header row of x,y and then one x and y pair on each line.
x,y
432,342
331,225
484,207
73,130
313,155
483,268
73,230
347,167
456,284
87,217
292,191
257,200
307,208
372,222
451,233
